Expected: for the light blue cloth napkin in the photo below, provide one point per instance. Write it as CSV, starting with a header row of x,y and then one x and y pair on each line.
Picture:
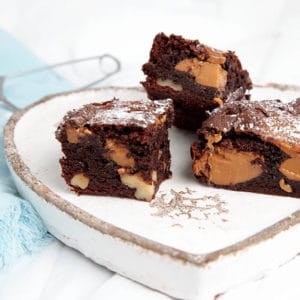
x,y
21,229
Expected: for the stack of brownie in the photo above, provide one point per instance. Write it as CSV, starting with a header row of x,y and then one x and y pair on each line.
x,y
121,148
243,145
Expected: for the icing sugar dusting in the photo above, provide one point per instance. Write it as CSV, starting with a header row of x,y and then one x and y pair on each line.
x,y
272,120
141,113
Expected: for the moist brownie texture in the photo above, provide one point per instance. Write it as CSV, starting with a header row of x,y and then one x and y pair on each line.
x,y
251,146
198,78
117,148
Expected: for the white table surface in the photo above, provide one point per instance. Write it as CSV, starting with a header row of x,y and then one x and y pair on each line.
x,y
266,37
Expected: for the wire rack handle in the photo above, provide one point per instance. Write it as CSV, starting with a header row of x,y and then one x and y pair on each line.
x,y
99,58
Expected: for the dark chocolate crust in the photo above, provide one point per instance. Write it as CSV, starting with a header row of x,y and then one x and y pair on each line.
x,y
270,120
135,125
166,52
269,128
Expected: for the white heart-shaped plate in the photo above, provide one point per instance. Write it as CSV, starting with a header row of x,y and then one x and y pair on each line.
x,y
191,241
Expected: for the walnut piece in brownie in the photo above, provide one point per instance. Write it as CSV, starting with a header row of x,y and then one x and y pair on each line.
x,y
197,77
251,146
117,148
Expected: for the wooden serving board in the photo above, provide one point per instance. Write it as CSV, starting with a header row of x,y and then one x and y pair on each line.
x,y
191,241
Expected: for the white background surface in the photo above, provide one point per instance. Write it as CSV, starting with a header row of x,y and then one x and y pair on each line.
x,y
265,35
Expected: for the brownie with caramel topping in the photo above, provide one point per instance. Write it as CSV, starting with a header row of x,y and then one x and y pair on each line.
x,y
117,148
198,78
251,146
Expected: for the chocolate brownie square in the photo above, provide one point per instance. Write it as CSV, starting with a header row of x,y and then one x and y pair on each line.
x,y
117,148
197,77
251,146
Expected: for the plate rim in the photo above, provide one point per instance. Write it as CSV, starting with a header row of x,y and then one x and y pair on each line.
x,y
199,260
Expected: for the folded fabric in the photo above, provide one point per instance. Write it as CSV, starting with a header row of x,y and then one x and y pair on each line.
x,y
21,229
